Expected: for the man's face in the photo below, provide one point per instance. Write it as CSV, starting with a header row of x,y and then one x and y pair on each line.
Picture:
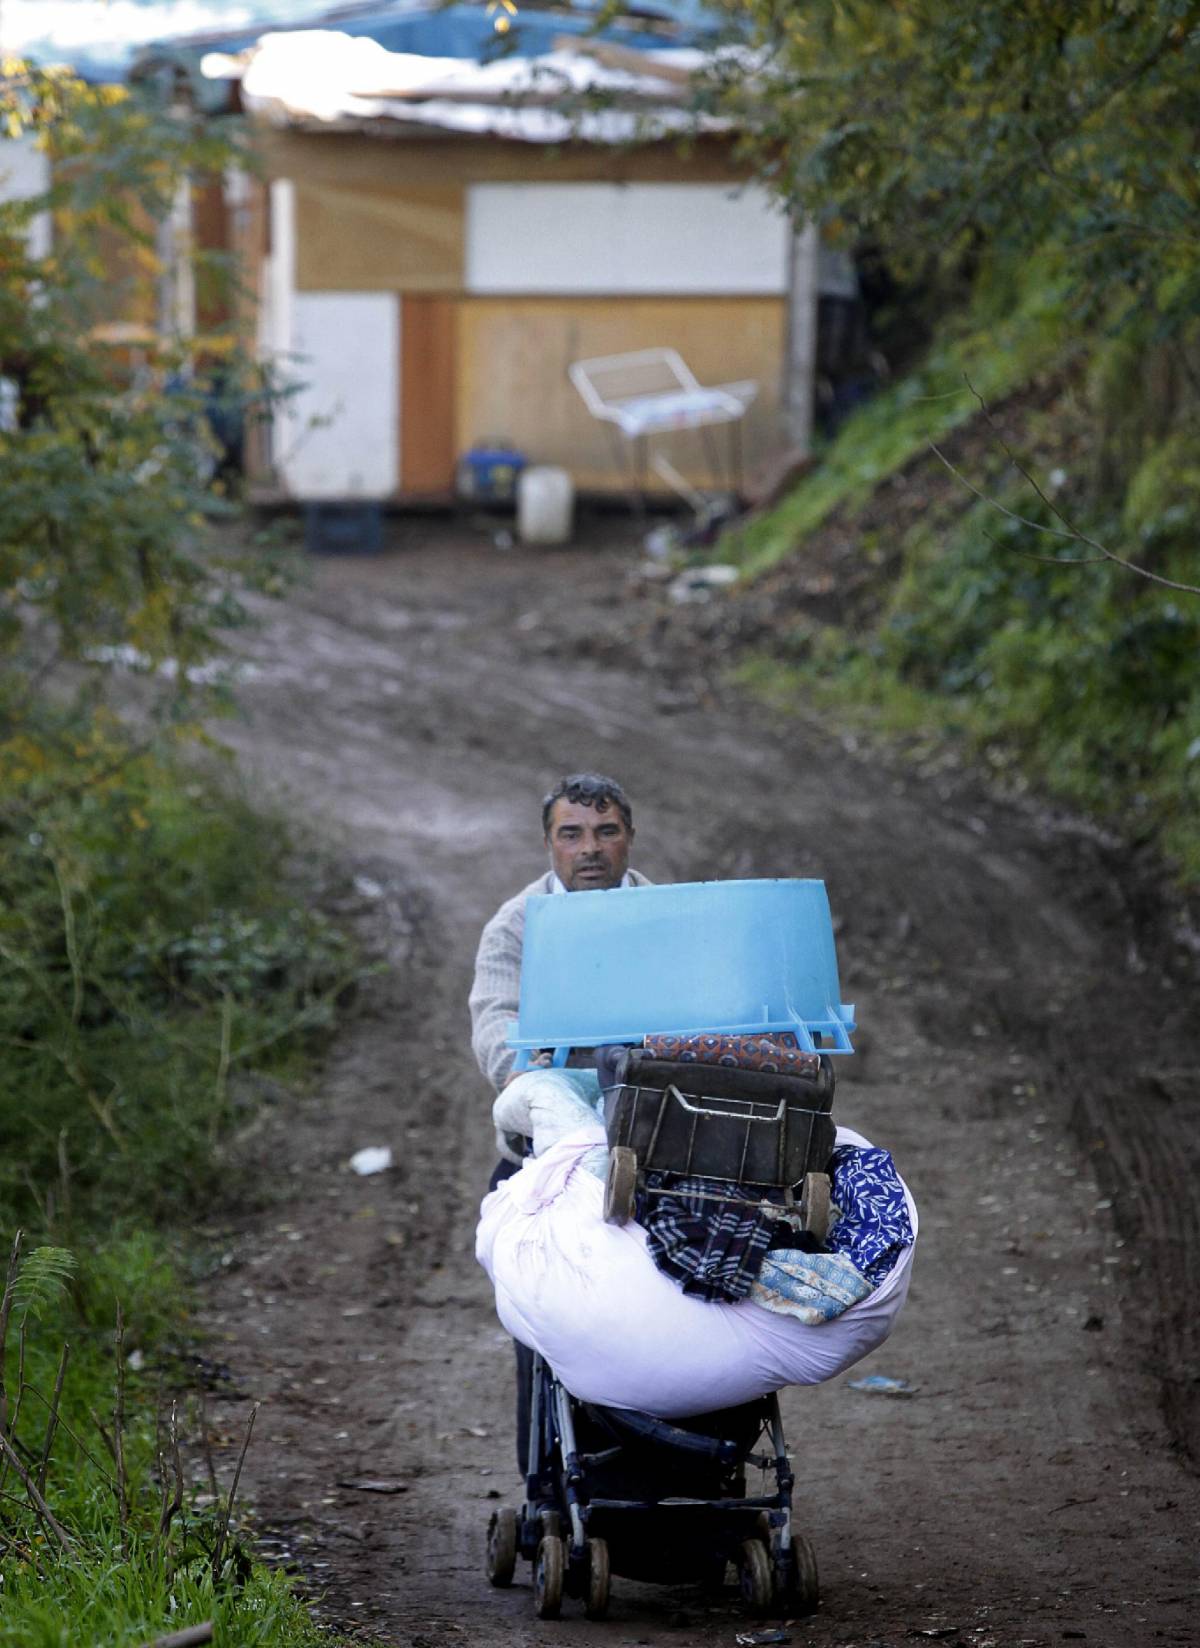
x,y
589,846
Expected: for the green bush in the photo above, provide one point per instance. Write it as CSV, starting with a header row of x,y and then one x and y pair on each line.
x,y
100,1552
150,947
1079,678
151,942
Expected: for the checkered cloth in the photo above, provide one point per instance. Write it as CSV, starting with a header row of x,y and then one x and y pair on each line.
x,y
714,1250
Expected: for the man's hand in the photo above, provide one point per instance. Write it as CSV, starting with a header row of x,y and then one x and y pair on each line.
x,y
541,1061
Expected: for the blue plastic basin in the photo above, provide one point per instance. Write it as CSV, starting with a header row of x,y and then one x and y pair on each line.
x,y
730,956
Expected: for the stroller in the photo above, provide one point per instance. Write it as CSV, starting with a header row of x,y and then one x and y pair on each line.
x,y
614,1491
610,1491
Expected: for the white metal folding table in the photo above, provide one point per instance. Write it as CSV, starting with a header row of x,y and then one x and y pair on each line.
x,y
650,392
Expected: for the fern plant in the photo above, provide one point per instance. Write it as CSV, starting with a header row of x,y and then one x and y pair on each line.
x,y
41,1280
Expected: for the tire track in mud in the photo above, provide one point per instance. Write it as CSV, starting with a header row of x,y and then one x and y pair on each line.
x,y
1025,1490
1144,1163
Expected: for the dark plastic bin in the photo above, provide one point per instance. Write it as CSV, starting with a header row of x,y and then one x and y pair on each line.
x,y
343,528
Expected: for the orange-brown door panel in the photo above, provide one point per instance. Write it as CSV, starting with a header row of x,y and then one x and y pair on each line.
x,y
427,368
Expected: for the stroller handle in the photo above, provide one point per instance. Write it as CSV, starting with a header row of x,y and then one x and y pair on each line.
x,y
703,1110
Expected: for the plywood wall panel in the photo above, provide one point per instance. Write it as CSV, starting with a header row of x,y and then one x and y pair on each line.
x,y
378,237
512,382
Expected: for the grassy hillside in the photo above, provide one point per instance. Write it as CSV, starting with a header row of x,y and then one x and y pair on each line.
x,y
967,596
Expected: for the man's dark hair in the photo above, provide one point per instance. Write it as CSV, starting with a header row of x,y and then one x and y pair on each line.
x,y
588,789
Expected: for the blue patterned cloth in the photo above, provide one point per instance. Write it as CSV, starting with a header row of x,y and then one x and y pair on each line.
x,y
870,1232
813,1287
873,1227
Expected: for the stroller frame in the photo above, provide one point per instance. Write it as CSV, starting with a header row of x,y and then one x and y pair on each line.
x,y
591,1507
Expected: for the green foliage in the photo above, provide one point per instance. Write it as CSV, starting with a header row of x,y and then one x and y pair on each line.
x,y
1079,679
41,1280
120,1562
1032,170
1086,679
152,947
149,950
938,130
107,540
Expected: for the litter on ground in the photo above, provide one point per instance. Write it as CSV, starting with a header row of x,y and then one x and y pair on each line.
x,y
878,1384
373,1158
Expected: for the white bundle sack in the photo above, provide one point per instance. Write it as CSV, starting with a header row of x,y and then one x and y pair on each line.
x,y
617,1331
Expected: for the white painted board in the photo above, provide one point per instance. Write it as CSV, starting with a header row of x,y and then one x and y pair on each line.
x,y
278,275
610,238
341,437
24,173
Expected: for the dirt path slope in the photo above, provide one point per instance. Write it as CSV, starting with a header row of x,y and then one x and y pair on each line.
x,y
414,707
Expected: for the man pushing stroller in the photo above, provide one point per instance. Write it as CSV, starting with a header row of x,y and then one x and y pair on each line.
x,y
587,827
649,1251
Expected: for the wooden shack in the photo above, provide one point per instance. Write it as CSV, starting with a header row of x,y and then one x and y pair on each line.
x,y
439,240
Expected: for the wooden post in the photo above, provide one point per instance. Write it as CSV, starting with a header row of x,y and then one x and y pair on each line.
x,y
800,362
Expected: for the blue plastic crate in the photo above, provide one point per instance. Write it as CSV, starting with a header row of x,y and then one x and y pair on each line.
x,y
350,528
737,957
488,474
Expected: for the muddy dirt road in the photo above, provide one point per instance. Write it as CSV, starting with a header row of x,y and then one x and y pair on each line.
x,y
1029,1050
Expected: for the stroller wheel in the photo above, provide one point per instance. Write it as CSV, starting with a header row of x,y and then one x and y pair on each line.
x,y
502,1547
620,1186
805,1589
814,1205
796,1587
754,1576
595,1604
548,1567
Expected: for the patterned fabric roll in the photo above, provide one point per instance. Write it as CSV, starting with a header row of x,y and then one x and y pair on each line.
x,y
774,1052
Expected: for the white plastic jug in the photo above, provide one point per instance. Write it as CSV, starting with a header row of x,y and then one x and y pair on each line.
x,y
545,505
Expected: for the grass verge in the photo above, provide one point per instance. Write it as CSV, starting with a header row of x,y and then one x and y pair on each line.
x,y
1079,681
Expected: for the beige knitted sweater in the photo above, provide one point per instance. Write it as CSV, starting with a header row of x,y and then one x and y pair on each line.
x,y
495,993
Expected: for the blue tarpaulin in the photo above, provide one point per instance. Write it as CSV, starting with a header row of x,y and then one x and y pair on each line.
x,y
464,31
